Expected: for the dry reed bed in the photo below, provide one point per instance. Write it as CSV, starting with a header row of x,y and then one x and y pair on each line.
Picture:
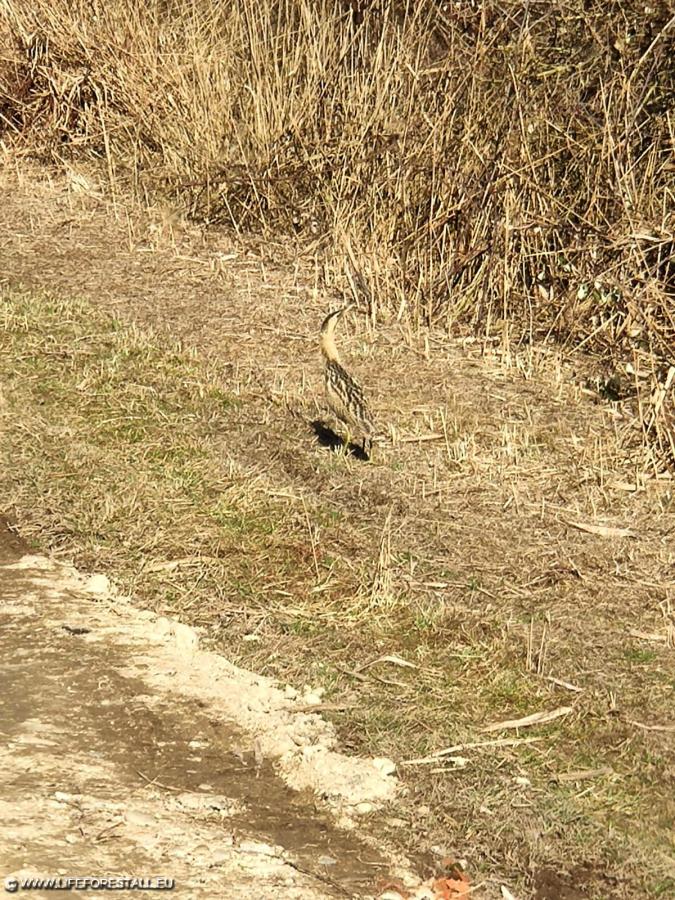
x,y
504,166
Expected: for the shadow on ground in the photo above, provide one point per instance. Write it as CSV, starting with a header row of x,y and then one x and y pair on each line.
x,y
332,441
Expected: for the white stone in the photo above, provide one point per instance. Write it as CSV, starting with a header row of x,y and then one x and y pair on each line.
x,y
384,765
362,809
99,585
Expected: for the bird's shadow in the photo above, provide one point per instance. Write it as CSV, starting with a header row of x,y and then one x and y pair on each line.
x,y
328,438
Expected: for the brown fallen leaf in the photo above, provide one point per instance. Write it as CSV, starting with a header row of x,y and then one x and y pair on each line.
x,y
451,888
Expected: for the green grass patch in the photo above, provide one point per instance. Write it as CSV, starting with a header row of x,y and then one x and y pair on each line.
x,y
110,441
640,657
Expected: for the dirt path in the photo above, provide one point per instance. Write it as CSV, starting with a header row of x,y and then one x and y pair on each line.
x,y
104,773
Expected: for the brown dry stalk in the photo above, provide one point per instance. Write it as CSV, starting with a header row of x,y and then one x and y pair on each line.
x,y
482,164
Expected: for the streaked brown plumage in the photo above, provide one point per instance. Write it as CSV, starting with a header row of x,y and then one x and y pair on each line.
x,y
344,395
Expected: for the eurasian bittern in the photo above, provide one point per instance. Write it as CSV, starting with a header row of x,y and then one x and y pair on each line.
x,y
344,395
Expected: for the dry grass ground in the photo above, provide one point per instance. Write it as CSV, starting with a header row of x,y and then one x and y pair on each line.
x,y
502,556
495,164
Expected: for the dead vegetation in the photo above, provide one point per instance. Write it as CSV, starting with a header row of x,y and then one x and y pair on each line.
x,y
491,602
490,607
497,165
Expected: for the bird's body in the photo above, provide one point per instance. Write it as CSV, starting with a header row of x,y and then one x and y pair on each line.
x,y
344,395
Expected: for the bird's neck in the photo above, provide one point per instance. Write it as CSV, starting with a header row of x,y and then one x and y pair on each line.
x,y
328,347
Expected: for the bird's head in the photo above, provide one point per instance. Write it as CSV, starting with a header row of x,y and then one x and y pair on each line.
x,y
331,320
328,347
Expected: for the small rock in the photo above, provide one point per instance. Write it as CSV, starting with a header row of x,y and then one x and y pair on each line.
x,y
313,698
186,638
327,861
98,585
363,808
384,766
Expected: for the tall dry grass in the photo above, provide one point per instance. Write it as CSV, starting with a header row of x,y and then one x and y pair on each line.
x,y
503,165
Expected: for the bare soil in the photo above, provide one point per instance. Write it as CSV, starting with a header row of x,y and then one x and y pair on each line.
x,y
116,762
505,543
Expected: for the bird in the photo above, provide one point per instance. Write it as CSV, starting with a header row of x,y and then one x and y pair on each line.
x,y
344,395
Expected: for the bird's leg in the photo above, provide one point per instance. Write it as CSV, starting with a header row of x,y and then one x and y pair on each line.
x,y
346,440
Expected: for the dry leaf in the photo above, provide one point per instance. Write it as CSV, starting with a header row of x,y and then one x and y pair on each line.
x,y
451,888
602,530
535,719
564,684
629,486
393,659
647,636
582,774
440,755
666,728
506,893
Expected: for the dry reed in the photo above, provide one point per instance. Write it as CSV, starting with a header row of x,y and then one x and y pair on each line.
x,y
483,163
